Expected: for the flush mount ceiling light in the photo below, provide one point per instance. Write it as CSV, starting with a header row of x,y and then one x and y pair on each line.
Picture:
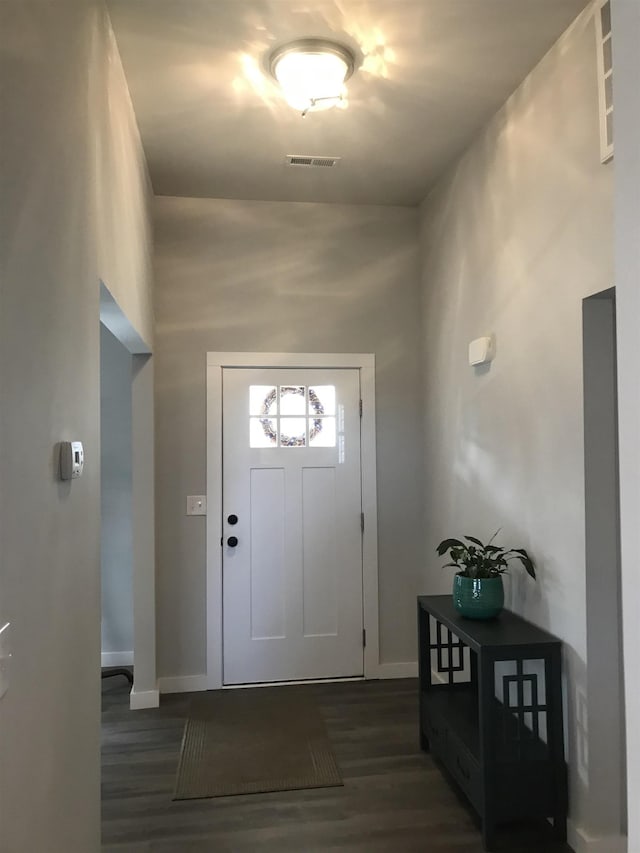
x,y
312,73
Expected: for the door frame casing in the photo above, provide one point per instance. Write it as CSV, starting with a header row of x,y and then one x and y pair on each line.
x,y
144,693
216,363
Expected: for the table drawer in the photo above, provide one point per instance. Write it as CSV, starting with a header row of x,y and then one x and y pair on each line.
x,y
465,769
436,731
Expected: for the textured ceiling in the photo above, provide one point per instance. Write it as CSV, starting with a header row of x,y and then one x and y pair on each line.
x,y
431,73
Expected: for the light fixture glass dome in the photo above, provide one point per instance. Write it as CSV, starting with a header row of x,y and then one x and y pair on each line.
x,y
312,73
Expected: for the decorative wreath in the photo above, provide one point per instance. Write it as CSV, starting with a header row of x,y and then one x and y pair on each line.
x,y
291,440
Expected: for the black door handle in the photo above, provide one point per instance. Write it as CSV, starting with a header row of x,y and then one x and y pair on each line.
x,y
232,519
232,541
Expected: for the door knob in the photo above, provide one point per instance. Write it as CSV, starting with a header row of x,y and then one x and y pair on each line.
x,y
232,541
232,519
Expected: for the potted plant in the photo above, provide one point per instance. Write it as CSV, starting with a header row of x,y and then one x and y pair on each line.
x,y
477,585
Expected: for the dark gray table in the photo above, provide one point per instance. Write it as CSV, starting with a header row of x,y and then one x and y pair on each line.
x,y
491,712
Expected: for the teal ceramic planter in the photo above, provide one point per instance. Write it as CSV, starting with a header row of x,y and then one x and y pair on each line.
x,y
478,598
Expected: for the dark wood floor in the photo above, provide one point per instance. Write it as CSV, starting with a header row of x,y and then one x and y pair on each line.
x,y
394,799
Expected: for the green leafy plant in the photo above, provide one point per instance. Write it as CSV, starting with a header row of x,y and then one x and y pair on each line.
x,y
477,560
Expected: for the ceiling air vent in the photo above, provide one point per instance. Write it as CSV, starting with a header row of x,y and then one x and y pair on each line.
x,y
311,162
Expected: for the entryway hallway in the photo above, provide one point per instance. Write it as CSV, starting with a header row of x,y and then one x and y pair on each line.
x,y
394,800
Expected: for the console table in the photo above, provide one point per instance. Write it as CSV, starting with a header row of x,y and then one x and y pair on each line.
x,y
491,712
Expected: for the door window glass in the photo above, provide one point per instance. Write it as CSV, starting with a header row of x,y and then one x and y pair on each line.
x,y
263,400
292,400
292,416
263,432
323,433
322,400
293,432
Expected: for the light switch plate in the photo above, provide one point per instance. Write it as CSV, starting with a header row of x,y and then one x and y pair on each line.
x,y
5,657
196,504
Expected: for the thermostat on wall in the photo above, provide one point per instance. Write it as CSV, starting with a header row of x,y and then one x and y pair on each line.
x,y
71,459
482,350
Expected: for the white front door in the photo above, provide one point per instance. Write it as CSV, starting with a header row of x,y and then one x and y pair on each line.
x,y
292,542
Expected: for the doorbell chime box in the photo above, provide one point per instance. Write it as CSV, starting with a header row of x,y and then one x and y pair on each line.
x,y
482,350
71,459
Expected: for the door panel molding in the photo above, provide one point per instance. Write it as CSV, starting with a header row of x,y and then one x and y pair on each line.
x,y
216,362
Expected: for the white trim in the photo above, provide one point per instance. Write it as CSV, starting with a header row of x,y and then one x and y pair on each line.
x,y
116,658
606,147
293,683
143,504
370,602
290,359
407,669
214,526
114,319
183,684
143,520
144,699
580,841
216,361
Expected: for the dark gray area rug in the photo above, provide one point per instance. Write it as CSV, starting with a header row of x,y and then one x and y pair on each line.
x,y
253,741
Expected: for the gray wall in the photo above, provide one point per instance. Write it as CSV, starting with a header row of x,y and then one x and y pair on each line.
x,y
123,197
115,493
513,237
53,94
626,38
283,277
49,356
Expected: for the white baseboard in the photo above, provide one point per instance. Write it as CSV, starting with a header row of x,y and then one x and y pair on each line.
x,y
582,842
408,669
197,683
183,684
293,683
144,699
117,658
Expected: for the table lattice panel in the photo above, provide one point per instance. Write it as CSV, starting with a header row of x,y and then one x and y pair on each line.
x,y
450,655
